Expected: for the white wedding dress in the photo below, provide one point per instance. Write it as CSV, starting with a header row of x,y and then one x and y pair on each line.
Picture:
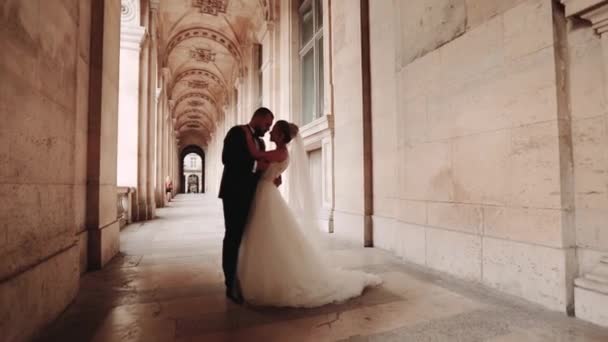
x,y
278,264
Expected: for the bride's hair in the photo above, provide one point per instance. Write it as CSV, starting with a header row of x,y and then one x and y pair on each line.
x,y
288,129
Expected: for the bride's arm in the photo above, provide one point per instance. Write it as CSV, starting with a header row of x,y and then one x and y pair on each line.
x,y
271,156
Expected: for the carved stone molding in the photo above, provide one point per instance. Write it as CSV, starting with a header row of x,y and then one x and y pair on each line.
x,y
595,11
195,95
202,55
195,103
198,84
204,33
212,7
129,11
132,37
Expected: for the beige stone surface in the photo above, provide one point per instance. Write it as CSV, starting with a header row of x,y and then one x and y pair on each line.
x,y
538,226
478,145
591,306
528,28
533,272
460,217
407,241
34,298
426,25
167,286
349,226
479,11
443,245
481,168
425,171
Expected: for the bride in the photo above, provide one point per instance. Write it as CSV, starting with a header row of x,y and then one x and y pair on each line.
x,y
280,263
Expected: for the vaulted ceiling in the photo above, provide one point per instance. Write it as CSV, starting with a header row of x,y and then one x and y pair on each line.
x,y
204,44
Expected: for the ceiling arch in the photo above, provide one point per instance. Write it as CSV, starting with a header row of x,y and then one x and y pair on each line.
x,y
200,72
206,48
193,95
205,33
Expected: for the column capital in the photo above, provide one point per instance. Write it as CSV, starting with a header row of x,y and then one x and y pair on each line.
x,y
594,11
131,37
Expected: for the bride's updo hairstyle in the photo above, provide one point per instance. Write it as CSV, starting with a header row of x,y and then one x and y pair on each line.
x,y
289,130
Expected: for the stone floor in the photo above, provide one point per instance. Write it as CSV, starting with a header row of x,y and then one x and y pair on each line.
x,y
167,285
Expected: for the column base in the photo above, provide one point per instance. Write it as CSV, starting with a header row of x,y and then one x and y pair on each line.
x,y
151,210
142,211
591,295
104,244
349,227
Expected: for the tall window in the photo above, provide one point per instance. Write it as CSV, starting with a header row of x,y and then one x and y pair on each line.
x,y
311,58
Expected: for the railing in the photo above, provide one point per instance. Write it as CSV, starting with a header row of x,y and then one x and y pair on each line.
x,y
124,198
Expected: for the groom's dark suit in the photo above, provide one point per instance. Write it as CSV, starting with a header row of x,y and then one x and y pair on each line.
x,y
237,188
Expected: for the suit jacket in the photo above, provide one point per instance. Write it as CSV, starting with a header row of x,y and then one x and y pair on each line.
x,y
238,178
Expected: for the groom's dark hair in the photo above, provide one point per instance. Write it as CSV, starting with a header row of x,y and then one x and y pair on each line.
x,y
262,111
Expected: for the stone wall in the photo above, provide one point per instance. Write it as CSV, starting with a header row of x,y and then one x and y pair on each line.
x,y
589,137
348,121
45,169
42,64
471,144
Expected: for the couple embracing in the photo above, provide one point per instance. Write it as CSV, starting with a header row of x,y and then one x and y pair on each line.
x,y
270,255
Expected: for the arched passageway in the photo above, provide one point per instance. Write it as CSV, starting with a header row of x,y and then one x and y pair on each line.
x,y
471,142
192,163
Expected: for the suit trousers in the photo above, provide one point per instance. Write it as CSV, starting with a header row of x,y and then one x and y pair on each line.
x,y
236,211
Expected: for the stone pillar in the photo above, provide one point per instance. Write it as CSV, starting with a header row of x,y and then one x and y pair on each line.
x,y
131,35
142,156
591,289
152,74
159,183
101,212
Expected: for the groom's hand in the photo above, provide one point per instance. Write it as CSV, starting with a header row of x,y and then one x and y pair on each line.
x,y
262,165
278,181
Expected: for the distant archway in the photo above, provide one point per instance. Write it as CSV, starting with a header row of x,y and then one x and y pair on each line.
x,y
189,166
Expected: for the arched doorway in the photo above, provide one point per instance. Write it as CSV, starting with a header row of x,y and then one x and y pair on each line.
x,y
192,170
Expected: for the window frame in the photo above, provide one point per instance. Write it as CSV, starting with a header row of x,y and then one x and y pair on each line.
x,y
315,43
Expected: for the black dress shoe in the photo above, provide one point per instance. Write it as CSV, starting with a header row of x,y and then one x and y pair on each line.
x,y
235,299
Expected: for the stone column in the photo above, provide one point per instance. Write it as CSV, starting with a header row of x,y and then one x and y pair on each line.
x,y
142,156
153,73
131,35
591,289
158,150
101,210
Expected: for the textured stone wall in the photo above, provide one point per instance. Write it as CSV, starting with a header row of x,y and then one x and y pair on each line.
x,y
589,139
471,143
348,122
47,168
42,166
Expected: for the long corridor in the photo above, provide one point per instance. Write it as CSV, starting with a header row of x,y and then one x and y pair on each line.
x,y
167,285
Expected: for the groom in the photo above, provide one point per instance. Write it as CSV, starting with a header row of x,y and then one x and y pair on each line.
x,y
239,181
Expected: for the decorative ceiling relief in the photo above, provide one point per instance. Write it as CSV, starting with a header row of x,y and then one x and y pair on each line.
x,y
205,33
195,103
198,84
202,55
212,7
194,95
